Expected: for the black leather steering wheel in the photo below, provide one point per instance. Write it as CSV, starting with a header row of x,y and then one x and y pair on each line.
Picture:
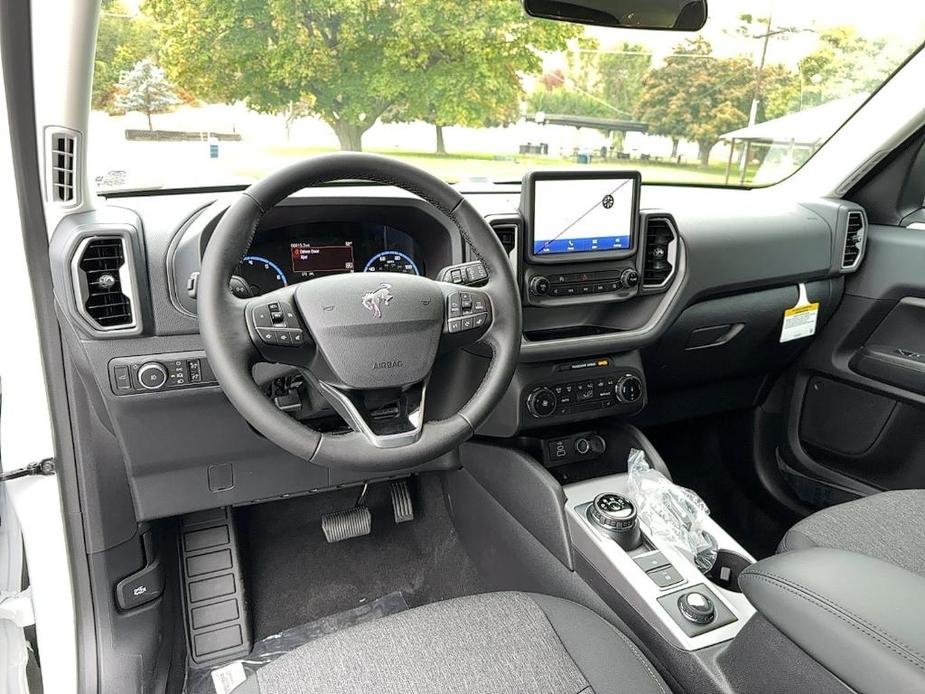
x,y
359,338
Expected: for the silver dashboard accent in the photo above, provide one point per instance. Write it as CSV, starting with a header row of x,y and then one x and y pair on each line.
x,y
631,581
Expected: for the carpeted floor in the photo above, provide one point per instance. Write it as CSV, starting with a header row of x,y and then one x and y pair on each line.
x,y
294,576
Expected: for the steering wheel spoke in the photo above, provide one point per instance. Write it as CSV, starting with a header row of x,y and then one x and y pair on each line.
x,y
387,418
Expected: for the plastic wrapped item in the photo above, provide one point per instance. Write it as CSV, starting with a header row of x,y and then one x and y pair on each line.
x,y
222,679
672,514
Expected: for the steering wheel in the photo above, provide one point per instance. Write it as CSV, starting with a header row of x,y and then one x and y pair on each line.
x,y
360,339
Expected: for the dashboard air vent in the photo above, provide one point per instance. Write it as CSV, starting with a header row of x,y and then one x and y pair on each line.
x,y
507,234
103,293
658,266
854,240
62,152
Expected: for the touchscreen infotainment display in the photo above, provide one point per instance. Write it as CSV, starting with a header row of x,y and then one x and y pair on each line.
x,y
583,214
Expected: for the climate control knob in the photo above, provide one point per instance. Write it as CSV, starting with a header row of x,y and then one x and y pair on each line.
x,y
152,375
539,286
541,402
628,389
629,278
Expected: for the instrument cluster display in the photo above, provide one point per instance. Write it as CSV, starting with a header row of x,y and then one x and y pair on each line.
x,y
301,252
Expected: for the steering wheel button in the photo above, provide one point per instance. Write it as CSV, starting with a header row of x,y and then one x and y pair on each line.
x,y
277,317
283,338
296,338
467,323
455,325
479,320
262,317
268,337
455,309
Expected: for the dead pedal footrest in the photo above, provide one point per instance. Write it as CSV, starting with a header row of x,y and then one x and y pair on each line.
x,y
217,620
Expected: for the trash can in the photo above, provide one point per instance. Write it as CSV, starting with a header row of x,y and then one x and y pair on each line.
x,y
583,158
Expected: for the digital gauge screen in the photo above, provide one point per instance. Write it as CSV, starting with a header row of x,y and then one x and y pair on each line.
x,y
319,260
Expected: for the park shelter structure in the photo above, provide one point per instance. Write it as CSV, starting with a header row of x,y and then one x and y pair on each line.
x,y
801,132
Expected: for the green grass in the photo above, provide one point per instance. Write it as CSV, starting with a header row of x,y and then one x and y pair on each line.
x,y
467,165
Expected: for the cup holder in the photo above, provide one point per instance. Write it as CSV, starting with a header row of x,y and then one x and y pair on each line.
x,y
726,569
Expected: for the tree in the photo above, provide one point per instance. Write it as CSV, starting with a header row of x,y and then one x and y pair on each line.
x,y
467,65
354,61
622,71
144,88
697,96
844,63
122,40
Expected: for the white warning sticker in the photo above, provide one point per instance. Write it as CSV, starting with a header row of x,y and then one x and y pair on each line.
x,y
800,321
228,677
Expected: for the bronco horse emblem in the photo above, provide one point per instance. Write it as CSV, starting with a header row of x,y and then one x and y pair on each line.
x,y
374,301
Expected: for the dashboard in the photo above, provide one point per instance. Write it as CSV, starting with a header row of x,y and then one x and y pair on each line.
x,y
667,300
300,252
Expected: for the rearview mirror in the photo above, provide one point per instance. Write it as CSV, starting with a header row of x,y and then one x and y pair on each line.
x,y
671,15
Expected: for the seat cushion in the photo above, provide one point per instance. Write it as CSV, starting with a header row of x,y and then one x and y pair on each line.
x,y
492,644
888,526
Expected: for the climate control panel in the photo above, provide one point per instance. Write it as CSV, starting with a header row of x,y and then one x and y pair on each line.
x,y
159,372
589,387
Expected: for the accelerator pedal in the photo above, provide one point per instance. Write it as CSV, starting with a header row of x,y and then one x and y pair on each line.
x,y
402,505
344,525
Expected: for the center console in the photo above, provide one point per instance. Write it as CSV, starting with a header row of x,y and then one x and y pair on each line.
x,y
689,609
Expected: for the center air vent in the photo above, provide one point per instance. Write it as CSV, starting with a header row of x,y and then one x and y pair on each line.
x,y
507,233
854,240
62,150
103,283
660,242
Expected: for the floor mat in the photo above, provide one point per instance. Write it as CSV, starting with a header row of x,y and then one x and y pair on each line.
x,y
294,576
222,679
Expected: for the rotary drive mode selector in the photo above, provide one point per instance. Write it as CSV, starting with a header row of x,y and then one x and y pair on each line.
x,y
697,608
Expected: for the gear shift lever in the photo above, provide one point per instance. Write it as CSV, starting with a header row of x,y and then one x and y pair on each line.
x,y
615,516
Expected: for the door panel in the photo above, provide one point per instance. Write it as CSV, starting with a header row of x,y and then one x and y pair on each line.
x,y
857,410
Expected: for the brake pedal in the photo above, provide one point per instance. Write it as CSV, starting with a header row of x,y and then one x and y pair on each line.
x,y
402,506
344,525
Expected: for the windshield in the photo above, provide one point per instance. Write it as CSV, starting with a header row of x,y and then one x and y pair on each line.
x,y
195,93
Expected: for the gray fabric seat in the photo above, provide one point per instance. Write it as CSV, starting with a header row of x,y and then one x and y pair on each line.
x,y
496,643
889,526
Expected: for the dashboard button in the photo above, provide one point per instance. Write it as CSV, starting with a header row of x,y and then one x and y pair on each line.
x,y
541,402
123,381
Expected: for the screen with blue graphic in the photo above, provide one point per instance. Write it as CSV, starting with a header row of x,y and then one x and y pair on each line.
x,y
583,215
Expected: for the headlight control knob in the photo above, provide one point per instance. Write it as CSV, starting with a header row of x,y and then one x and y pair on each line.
x,y
629,278
152,375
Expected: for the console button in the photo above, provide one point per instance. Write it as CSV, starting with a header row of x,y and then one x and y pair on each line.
x,y
629,389
654,560
666,576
